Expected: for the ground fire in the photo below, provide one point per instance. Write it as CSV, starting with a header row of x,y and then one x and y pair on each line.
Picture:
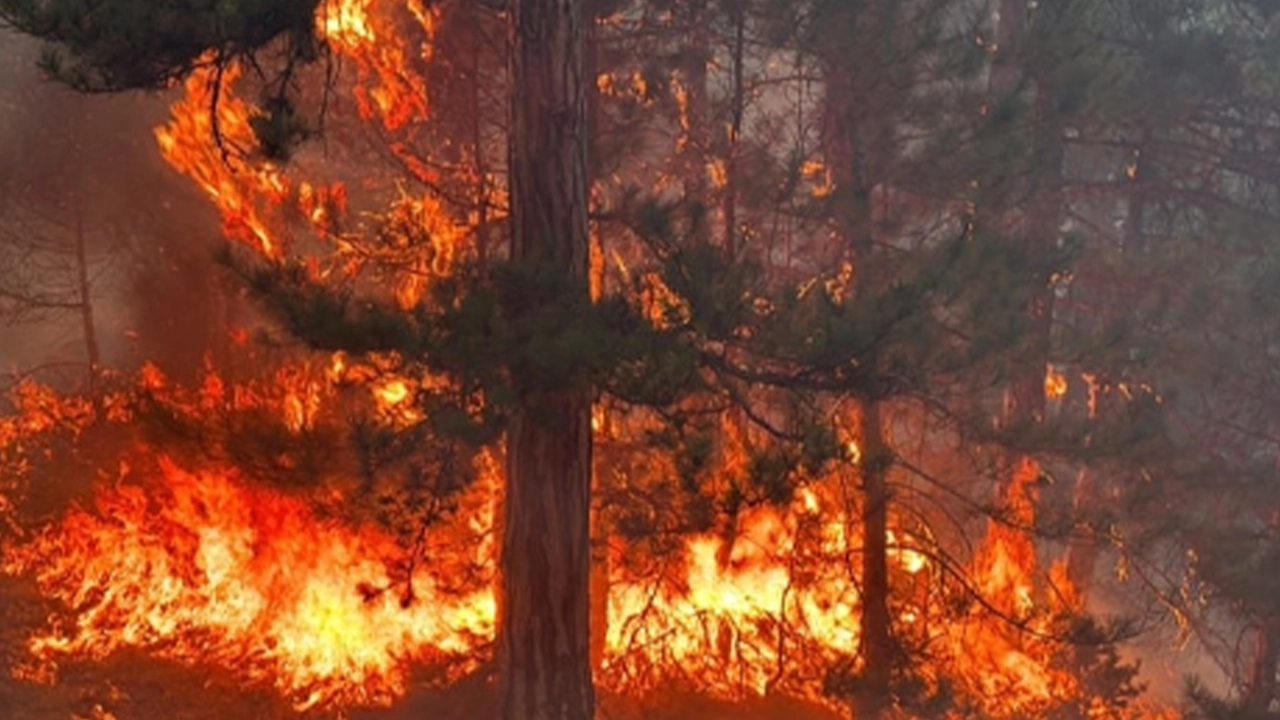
x,y
296,520
203,565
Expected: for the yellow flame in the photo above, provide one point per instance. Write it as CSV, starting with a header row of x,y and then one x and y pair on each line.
x,y
1055,383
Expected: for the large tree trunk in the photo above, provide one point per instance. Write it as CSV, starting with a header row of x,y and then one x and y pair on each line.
x,y
544,640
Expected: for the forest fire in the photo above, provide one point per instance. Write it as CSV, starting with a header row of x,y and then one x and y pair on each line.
x,y
242,194
195,564
204,566
315,530
200,568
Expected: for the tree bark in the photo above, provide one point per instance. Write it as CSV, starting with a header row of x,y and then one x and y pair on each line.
x,y
544,639
694,144
93,352
737,110
876,635
601,465
1260,690
849,156
479,159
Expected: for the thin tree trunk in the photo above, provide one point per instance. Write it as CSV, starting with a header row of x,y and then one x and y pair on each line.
x,y
1083,551
737,110
873,700
849,159
693,74
544,641
1140,172
603,464
1038,227
93,352
1260,690
1261,686
479,159
1082,547
599,589
1006,71
1026,401
1005,85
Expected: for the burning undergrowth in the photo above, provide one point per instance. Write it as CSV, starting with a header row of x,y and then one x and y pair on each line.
x,y
197,564
200,558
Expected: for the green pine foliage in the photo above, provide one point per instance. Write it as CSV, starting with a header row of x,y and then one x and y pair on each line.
x,y
114,45
1180,309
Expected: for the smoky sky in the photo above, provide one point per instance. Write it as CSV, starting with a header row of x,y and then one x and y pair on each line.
x,y
68,158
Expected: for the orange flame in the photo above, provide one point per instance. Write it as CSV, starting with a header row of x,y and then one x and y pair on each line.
x,y
200,565
354,29
204,569
1055,383
1004,569
241,193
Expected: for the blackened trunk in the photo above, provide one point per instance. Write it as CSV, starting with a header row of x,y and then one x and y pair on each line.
x,y
1040,194
544,640
479,159
1040,238
872,702
1083,547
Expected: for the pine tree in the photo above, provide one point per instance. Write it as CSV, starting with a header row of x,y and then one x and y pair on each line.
x,y
914,311
544,646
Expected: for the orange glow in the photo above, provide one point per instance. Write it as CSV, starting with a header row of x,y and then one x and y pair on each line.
x,y
1006,666
663,306
197,567
1055,383
203,563
387,90
393,392
724,624
243,194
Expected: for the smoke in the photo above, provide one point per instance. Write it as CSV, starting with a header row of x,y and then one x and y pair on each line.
x,y
72,163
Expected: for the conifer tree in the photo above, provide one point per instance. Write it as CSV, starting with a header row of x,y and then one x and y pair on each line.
x,y
917,308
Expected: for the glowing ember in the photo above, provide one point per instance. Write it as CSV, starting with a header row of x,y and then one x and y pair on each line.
x,y
1055,383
